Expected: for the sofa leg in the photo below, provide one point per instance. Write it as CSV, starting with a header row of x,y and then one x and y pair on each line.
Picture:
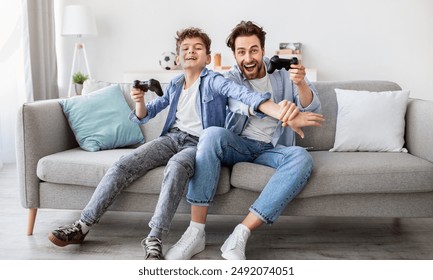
x,y
31,220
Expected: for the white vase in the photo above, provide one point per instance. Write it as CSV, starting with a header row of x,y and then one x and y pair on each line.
x,y
78,88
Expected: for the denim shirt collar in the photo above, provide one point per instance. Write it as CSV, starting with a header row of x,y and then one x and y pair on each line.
x,y
180,80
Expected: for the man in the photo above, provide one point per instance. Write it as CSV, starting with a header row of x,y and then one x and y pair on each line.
x,y
198,100
251,139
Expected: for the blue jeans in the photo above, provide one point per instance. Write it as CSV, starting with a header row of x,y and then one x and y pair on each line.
x,y
220,146
176,149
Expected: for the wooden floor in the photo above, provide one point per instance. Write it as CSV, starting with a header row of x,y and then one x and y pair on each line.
x,y
118,235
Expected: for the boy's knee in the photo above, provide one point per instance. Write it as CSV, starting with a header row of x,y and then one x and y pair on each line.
x,y
180,166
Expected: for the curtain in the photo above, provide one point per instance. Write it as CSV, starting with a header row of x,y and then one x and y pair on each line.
x,y
11,76
28,67
40,64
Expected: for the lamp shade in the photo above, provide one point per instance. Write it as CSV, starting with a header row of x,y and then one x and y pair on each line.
x,y
78,21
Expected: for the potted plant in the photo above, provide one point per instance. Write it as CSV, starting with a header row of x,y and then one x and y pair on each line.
x,y
78,78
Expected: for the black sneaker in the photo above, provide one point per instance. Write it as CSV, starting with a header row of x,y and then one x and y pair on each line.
x,y
152,247
70,234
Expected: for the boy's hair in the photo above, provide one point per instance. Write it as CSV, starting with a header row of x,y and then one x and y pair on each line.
x,y
192,32
246,28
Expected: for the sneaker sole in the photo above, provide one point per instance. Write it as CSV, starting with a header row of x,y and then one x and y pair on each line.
x,y
61,243
231,256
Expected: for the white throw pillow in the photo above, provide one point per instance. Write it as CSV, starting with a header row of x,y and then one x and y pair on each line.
x,y
370,121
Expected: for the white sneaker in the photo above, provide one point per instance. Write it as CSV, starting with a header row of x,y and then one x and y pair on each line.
x,y
191,243
234,247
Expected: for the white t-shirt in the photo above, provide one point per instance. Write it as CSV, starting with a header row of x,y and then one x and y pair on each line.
x,y
187,117
257,128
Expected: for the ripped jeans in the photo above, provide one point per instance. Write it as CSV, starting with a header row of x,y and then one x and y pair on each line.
x,y
176,150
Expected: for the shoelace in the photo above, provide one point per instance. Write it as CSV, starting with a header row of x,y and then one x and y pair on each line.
x,y
152,246
71,228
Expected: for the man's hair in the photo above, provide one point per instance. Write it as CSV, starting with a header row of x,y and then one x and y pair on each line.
x,y
192,32
246,28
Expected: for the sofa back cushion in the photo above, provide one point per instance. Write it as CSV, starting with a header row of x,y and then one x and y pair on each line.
x,y
323,138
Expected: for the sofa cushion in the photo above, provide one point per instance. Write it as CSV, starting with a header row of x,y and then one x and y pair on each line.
x,y
100,120
349,173
323,138
370,121
154,127
78,167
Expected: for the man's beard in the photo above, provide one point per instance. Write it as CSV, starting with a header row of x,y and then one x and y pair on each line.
x,y
254,72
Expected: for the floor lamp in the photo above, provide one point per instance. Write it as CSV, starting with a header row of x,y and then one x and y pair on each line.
x,y
78,21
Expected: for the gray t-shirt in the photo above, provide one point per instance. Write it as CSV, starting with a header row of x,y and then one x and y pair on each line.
x,y
257,128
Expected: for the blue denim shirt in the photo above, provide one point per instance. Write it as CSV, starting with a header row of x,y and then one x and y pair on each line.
x,y
283,89
211,102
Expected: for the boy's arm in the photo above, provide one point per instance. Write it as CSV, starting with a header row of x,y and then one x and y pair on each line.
x,y
140,107
289,114
144,112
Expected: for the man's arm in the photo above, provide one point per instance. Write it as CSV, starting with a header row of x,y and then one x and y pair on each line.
x,y
297,75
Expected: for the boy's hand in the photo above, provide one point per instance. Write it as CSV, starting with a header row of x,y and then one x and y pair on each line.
x,y
303,119
137,95
288,111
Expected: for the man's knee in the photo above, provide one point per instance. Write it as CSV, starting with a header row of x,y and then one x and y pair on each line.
x,y
213,135
300,155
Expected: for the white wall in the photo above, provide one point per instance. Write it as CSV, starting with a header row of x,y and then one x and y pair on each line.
x,y
344,40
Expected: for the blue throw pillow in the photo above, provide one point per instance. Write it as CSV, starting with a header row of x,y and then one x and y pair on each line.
x,y
100,120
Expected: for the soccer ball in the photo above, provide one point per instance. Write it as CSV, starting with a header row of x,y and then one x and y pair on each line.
x,y
167,61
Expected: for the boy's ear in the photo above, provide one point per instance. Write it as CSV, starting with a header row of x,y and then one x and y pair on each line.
x,y
177,60
208,59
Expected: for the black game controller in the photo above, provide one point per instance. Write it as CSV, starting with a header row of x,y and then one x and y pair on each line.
x,y
279,63
152,85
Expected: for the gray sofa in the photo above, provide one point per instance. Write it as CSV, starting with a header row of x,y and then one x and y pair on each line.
x,y
55,173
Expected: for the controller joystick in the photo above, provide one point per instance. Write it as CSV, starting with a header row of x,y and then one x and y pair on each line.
x,y
278,63
152,85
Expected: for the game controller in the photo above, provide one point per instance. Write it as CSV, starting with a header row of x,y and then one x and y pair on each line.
x,y
152,85
280,63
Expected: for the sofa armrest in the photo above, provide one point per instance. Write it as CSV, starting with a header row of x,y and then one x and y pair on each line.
x,y
42,129
419,128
